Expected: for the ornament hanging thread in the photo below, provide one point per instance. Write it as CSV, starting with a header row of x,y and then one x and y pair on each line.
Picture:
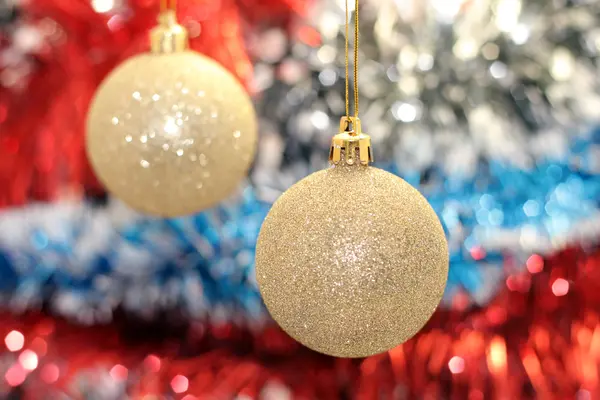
x,y
351,261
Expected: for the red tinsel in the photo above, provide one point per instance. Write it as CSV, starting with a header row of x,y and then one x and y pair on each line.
x,y
42,114
537,339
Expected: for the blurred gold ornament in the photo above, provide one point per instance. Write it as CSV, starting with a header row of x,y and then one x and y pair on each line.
x,y
171,132
351,261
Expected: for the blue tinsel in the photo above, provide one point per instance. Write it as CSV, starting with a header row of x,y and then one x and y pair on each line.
x,y
86,262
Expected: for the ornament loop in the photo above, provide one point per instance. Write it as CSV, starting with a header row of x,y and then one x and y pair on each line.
x,y
351,125
168,36
351,145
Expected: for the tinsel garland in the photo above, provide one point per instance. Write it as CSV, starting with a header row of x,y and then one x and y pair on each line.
x,y
496,144
539,338
86,261
491,210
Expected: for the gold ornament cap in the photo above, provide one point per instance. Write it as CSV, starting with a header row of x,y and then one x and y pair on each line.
x,y
351,146
168,36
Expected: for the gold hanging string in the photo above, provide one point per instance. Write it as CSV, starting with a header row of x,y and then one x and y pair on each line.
x,y
168,5
356,42
351,146
347,54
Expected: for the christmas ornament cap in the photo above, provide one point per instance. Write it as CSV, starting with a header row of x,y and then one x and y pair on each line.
x,y
168,36
351,144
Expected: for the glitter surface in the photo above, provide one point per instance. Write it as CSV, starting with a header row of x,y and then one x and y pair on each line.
x,y
351,261
171,134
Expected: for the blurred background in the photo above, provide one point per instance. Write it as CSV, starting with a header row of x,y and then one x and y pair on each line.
x,y
489,107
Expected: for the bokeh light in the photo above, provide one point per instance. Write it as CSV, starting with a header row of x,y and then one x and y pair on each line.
x,y
180,384
15,375
560,287
50,373
29,360
14,341
119,372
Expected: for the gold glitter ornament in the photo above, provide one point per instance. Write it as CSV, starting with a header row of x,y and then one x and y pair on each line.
x,y
171,132
351,261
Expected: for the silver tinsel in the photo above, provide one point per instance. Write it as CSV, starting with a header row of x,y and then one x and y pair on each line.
x,y
443,83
